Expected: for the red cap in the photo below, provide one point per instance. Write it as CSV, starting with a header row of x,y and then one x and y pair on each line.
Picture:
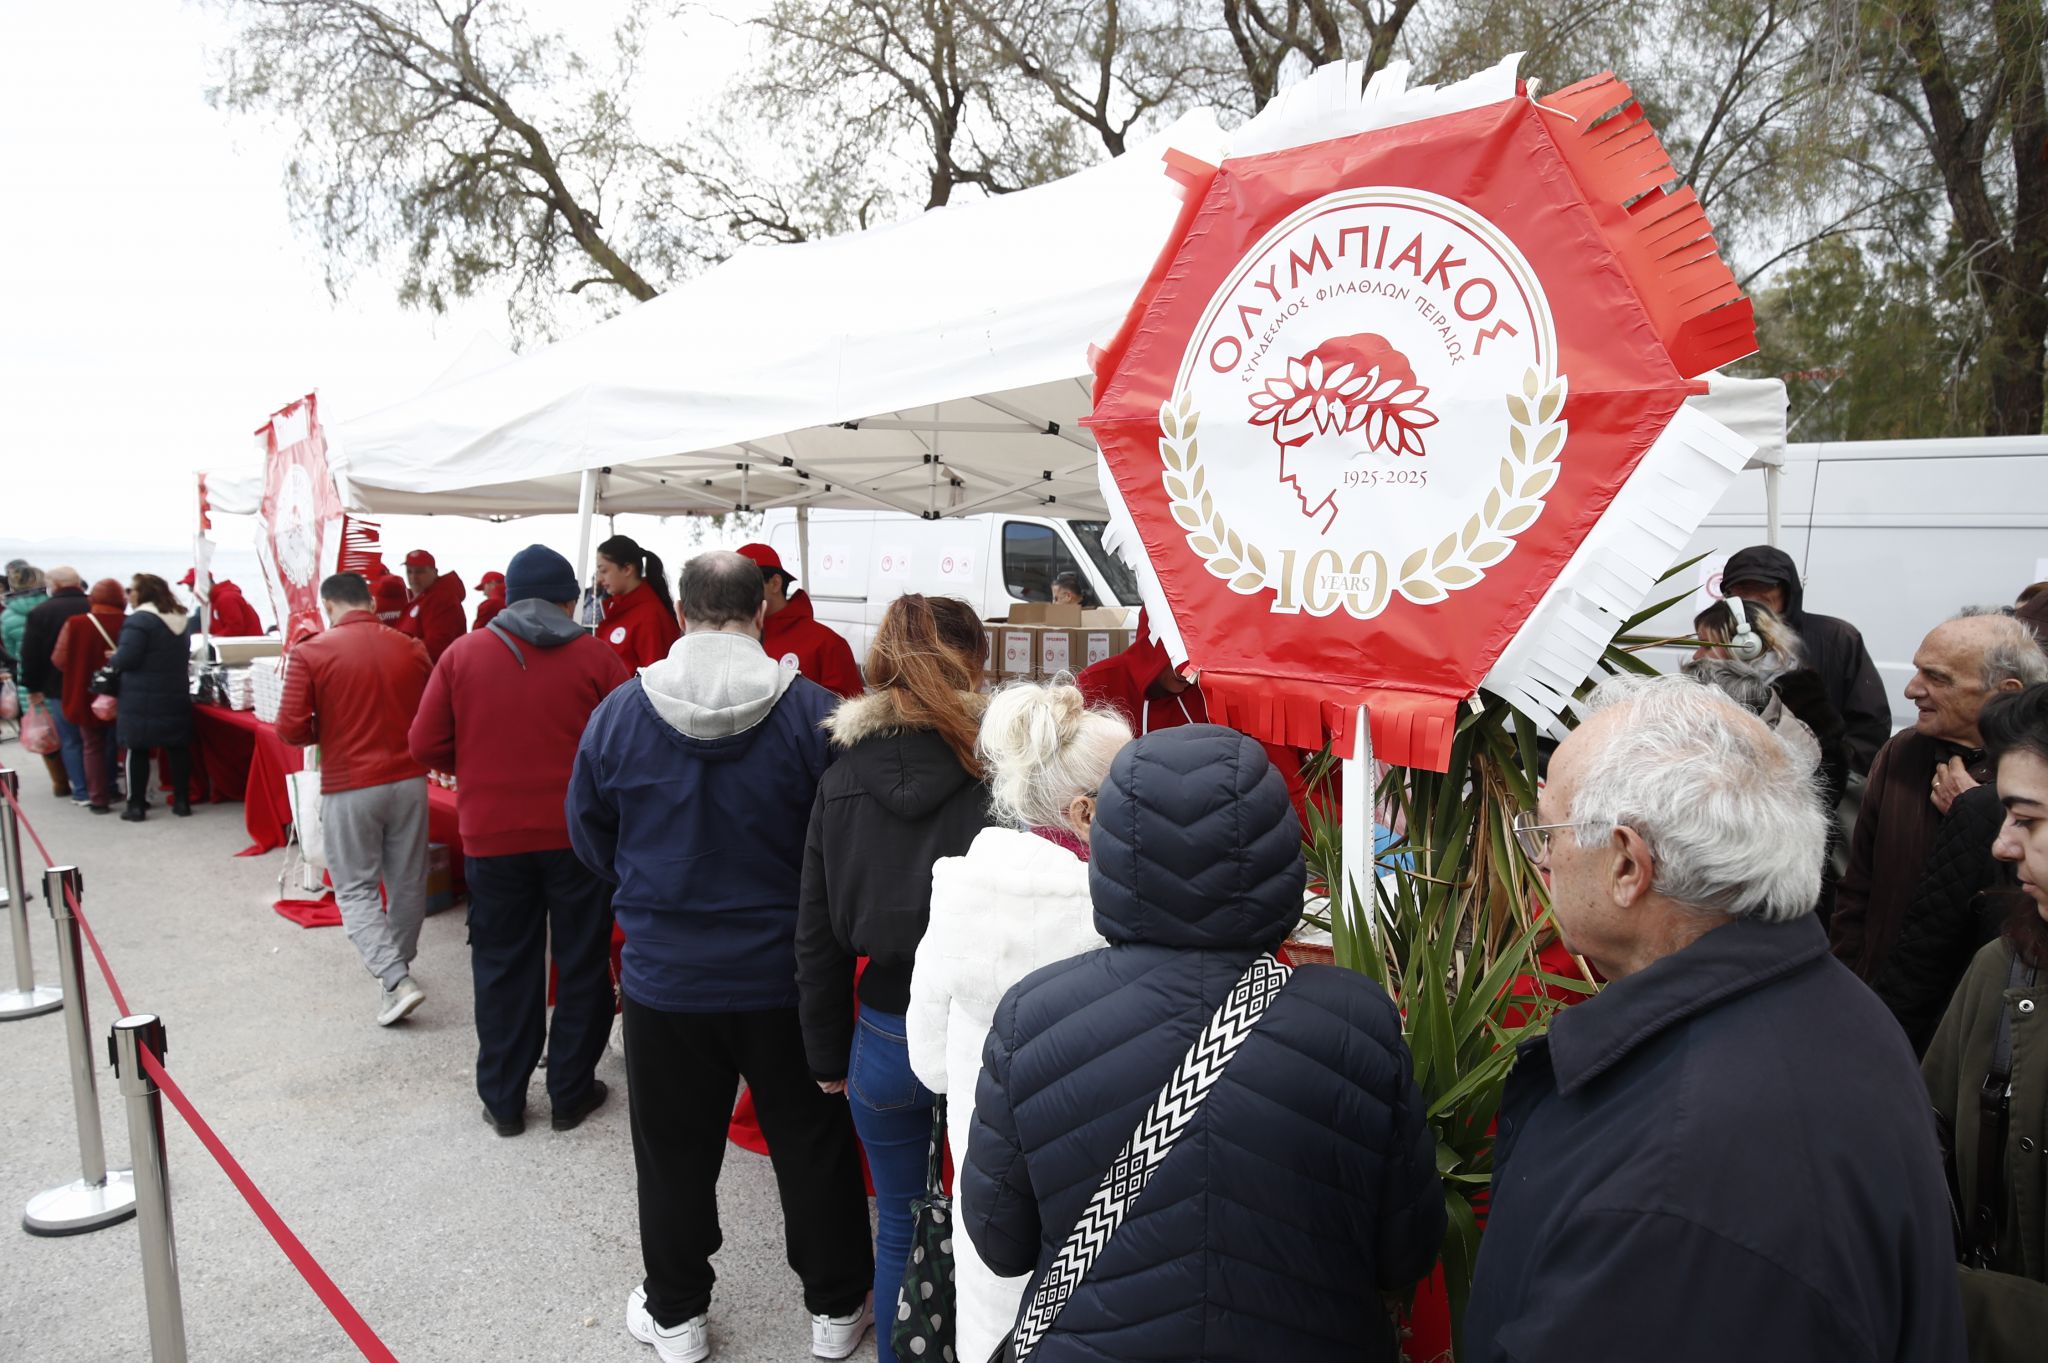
x,y
389,593
492,576
191,576
765,558
419,558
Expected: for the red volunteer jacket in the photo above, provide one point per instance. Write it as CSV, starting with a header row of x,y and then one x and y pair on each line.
x,y
353,690
486,612
509,730
818,651
434,617
1123,681
638,627
230,616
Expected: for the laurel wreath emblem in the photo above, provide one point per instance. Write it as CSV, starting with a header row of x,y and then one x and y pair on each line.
x,y
1536,438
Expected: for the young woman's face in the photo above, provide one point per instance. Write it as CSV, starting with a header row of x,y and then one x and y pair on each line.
x,y
2023,840
616,579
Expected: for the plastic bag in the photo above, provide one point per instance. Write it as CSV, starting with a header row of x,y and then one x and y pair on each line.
x,y
39,731
10,700
105,708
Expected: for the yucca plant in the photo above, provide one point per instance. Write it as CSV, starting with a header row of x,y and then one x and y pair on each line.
x,y
1452,931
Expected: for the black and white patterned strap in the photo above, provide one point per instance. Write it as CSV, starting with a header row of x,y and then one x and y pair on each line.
x,y
1170,1114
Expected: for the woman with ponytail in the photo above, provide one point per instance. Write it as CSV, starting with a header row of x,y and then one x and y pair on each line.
x,y
1017,901
905,790
639,614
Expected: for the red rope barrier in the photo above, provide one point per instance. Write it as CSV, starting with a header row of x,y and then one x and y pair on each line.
x,y
344,1311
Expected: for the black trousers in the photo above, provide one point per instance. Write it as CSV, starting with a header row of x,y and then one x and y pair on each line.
x,y
682,1073
177,765
517,904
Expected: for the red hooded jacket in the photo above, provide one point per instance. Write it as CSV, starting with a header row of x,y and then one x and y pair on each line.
x,y
230,616
1123,682
434,617
485,612
638,627
796,638
508,728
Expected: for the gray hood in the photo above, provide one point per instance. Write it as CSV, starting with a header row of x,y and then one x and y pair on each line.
x,y
715,684
540,623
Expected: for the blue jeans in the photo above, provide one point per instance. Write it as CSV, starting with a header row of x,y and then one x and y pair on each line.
x,y
71,748
893,1114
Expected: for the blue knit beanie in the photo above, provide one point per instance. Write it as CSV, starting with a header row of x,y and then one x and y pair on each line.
x,y
538,573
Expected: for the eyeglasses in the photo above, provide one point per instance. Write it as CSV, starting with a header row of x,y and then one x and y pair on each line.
x,y
1534,837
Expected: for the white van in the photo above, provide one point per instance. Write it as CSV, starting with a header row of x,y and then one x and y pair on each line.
x,y
1893,536
860,561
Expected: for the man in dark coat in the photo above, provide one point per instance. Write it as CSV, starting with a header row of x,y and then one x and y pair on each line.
x,y
1913,784
40,677
1722,1154
1305,1183
1834,648
690,794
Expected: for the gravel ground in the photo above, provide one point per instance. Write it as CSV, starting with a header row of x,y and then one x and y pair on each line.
x,y
453,1243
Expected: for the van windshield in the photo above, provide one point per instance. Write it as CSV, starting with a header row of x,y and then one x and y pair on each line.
x,y
1120,578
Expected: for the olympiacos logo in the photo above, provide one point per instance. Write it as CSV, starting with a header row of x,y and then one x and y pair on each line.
x,y
1378,402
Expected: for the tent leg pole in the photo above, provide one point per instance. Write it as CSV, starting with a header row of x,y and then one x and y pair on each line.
x,y
803,542
1773,530
1359,872
586,511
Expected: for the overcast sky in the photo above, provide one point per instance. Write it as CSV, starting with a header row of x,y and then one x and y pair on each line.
x,y
158,304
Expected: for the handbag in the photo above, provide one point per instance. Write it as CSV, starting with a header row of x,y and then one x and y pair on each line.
x,y
1171,1113
106,681
923,1327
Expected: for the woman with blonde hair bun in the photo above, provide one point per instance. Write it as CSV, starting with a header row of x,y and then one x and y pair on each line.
x,y
1017,901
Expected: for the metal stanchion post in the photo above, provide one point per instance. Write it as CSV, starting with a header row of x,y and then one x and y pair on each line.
x,y
152,1183
102,1197
27,998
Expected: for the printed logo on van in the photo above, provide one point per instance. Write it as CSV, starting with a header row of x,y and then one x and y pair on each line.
x,y
1370,328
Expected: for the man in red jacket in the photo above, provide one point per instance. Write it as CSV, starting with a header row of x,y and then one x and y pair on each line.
x,y
492,585
228,613
353,690
504,711
433,614
794,635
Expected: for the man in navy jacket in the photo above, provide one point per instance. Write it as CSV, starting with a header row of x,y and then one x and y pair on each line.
x,y
1724,1154
691,793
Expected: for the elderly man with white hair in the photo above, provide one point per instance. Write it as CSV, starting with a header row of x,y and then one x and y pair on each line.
x,y
1914,785
1722,1154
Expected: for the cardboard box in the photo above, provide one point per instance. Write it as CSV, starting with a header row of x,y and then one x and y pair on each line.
x,y
1110,617
1043,652
1044,613
233,651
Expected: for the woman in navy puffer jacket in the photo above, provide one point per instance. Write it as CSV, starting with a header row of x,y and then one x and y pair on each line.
x,y
1306,1183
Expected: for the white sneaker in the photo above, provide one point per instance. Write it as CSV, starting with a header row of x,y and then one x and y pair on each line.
x,y
839,1336
689,1342
399,1001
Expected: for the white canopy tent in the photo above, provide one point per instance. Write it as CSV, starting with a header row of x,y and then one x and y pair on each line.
x,y
936,366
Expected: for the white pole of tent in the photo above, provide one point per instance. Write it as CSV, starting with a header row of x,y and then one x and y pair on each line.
x,y
803,542
1356,862
1774,478
586,512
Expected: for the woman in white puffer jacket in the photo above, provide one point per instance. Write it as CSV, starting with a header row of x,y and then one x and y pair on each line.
x,y
1017,901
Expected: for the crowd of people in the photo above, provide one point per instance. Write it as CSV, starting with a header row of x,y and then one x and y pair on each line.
x,y
1030,933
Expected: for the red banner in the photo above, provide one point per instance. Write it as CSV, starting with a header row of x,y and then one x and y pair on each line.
x,y
1382,386
301,517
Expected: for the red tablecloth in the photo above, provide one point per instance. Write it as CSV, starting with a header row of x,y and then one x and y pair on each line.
x,y
245,760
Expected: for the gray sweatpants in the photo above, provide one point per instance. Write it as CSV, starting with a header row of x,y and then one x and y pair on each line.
x,y
379,835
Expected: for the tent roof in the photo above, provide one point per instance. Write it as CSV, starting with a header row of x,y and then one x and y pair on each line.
x,y
832,373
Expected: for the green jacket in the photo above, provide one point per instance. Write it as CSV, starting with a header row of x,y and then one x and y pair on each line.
x,y
15,619
2006,1311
